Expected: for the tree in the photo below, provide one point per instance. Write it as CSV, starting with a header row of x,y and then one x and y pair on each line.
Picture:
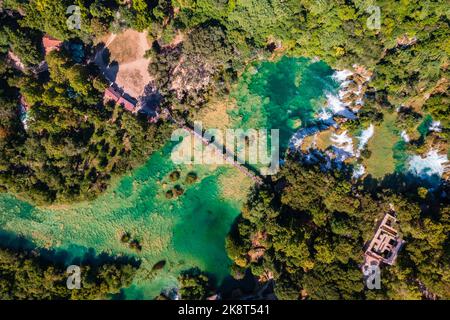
x,y
194,285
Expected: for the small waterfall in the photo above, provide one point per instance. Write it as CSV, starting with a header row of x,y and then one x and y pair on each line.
x,y
405,136
341,75
358,171
343,146
433,164
334,103
435,126
365,136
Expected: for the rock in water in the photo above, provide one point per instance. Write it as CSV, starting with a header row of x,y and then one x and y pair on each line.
x,y
159,265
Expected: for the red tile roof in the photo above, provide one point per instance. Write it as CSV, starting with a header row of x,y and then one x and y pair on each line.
x,y
50,43
127,104
24,103
111,94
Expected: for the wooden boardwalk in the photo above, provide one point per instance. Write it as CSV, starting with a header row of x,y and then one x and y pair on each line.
x,y
227,155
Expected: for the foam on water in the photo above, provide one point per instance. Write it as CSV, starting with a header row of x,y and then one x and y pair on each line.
x,y
405,136
341,75
343,141
342,146
324,115
433,164
358,171
334,103
365,136
435,126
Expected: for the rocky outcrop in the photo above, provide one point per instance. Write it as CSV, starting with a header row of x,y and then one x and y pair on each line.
x,y
353,88
405,41
193,75
258,249
338,109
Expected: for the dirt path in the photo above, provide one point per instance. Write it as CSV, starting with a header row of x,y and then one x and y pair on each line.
x,y
110,39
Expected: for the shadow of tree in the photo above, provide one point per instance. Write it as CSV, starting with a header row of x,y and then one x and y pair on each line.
x,y
102,58
150,100
60,257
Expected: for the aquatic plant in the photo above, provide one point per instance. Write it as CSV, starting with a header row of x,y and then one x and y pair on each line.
x,y
174,176
191,178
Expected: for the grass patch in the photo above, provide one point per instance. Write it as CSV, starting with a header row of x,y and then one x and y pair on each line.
x,y
381,145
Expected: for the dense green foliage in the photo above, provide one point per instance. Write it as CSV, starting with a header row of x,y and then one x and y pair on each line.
x,y
184,72
313,227
74,143
335,31
195,285
408,53
29,276
23,42
438,106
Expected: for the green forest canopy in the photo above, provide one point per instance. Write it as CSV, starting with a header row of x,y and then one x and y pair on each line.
x,y
223,36
313,226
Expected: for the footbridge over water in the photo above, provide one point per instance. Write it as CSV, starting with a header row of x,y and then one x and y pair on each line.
x,y
228,156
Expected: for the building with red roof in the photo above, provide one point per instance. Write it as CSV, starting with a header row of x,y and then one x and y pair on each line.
x,y
127,104
50,44
24,103
111,95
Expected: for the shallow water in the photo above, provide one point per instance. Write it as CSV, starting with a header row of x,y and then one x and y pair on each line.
x,y
188,231
282,95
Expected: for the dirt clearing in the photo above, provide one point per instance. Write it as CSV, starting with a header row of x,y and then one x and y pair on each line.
x,y
127,49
